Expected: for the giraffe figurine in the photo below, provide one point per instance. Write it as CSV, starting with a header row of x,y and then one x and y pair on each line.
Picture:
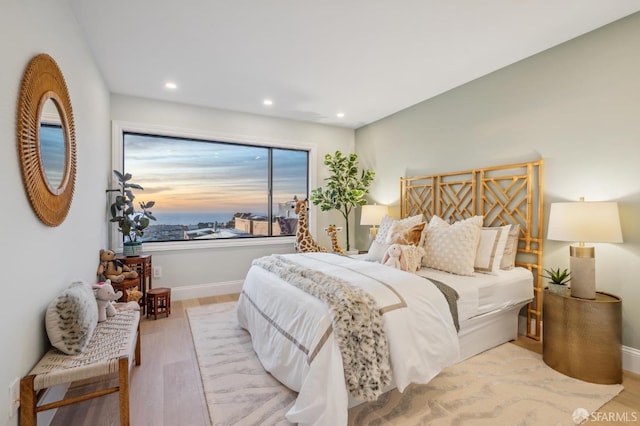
x,y
304,241
332,231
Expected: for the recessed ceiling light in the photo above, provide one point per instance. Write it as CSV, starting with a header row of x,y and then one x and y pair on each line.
x,y
267,102
340,115
170,85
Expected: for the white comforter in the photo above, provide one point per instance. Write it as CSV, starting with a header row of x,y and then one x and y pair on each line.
x,y
291,332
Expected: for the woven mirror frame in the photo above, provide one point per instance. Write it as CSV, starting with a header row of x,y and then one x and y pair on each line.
x,y
43,81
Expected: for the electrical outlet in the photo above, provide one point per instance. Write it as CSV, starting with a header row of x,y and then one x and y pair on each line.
x,y
157,271
14,397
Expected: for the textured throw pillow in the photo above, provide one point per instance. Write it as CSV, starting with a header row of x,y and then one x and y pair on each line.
x,y
71,318
379,245
491,249
400,234
452,248
511,248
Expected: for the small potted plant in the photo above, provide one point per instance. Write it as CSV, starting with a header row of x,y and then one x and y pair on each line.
x,y
131,222
558,280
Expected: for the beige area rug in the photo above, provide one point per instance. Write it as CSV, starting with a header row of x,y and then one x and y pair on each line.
x,y
507,385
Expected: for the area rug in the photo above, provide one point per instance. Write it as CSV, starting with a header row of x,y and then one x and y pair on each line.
x,y
507,385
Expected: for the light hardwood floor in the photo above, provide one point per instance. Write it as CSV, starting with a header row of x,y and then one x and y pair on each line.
x,y
166,389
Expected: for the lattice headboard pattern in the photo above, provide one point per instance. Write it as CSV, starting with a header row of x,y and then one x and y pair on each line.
x,y
503,195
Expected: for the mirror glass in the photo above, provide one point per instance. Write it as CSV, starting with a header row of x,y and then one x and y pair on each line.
x,y
52,145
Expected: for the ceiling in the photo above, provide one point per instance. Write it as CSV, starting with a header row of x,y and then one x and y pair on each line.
x,y
365,58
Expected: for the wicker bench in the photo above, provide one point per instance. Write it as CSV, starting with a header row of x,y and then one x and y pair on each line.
x,y
114,344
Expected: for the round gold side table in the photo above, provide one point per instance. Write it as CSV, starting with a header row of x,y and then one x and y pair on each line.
x,y
582,338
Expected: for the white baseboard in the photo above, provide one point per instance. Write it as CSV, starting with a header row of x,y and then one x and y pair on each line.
x,y
204,290
631,359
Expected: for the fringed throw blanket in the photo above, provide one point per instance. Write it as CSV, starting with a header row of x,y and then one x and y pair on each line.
x,y
356,320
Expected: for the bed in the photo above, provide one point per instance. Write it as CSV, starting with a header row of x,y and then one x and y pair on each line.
x,y
292,319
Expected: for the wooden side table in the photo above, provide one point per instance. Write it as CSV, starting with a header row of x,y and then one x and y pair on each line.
x,y
582,338
144,267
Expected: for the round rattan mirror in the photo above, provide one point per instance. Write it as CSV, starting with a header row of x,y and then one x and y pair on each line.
x,y
47,148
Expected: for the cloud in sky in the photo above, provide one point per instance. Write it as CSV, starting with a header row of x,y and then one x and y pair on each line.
x,y
187,175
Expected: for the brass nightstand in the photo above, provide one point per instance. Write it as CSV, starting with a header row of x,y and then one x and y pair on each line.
x,y
582,338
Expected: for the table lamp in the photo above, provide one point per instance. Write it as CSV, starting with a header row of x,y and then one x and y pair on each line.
x,y
592,222
372,215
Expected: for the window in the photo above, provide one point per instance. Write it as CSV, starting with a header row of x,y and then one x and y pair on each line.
x,y
206,190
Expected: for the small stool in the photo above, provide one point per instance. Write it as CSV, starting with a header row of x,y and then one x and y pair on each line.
x,y
158,302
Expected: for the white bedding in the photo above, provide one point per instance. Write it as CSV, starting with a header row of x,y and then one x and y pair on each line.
x,y
291,332
482,293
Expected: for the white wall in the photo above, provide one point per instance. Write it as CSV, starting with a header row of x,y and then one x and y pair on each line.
x,y
576,106
197,272
41,261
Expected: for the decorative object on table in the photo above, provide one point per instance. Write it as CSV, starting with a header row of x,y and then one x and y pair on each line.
x,y
344,190
46,140
131,222
332,231
593,222
105,295
304,241
371,215
558,280
113,269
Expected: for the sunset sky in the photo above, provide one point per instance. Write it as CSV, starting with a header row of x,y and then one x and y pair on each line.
x,y
187,176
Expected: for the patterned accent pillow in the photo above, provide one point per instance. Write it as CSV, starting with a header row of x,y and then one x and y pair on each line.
x,y
452,248
71,318
491,249
387,222
400,234
511,248
379,245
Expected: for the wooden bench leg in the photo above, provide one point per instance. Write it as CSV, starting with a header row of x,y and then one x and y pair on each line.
x,y
123,374
28,402
138,352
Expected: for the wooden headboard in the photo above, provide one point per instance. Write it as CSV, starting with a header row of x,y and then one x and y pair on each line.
x,y
503,195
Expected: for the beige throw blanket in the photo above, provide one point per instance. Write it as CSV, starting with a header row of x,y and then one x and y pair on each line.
x,y
356,320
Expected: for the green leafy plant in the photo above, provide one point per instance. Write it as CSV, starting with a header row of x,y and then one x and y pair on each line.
x,y
557,276
346,188
131,222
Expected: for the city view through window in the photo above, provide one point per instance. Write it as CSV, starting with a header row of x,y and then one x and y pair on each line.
x,y
212,190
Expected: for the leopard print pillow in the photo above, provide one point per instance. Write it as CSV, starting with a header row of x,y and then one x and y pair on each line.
x,y
71,318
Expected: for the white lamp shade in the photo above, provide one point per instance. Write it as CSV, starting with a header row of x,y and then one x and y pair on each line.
x,y
585,221
372,214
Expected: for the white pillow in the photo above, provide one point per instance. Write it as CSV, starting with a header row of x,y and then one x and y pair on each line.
x,y
491,249
71,318
452,248
379,245
511,248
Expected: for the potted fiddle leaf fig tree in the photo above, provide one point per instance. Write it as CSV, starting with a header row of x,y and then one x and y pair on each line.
x,y
131,221
346,188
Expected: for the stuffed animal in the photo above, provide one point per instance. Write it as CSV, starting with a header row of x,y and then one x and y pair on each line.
x,y
113,269
134,295
394,257
104,296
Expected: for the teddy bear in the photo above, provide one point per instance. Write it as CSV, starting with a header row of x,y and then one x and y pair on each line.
x,y
113,269
134,295
104,296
